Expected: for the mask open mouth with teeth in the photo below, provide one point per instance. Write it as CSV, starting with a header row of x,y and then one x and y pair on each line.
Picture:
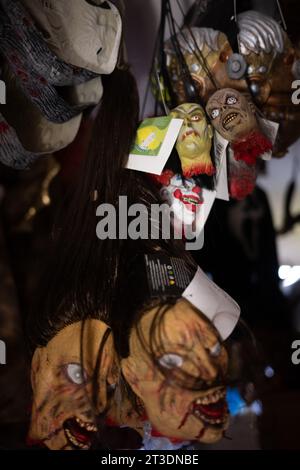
x,y
183,392
80,434
64,413
211,409
233,117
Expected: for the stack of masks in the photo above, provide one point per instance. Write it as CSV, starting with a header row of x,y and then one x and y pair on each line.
x,y
48,75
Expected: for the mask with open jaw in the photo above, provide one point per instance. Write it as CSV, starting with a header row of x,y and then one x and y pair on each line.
x,y
64,415
177,367
233,116
194,140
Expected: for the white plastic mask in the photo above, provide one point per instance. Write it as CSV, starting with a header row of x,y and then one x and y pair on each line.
x,y
83,33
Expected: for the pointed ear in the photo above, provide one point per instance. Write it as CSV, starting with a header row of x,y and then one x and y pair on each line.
x,y
129,370
210,131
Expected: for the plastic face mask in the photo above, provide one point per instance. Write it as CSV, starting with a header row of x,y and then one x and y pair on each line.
x,y
83,33
208,71
63,412
231,114
194,140
182,342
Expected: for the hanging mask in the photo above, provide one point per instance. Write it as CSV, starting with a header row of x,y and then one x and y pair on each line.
x,y
36,133
194,141
64,413
233,116
176,367
84,34
206,52
184,197
273,65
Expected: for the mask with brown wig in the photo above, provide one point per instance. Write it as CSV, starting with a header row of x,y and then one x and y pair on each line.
x,y
177,367
65,374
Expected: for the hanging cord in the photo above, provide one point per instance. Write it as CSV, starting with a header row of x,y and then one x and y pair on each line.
x,y
188,82
281,15
199,55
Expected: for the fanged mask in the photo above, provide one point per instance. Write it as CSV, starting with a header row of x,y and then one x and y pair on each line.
x,y
63,412
177,370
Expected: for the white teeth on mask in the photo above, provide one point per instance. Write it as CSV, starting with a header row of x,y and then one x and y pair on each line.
x,y
229,118
88,426
211,398
74,441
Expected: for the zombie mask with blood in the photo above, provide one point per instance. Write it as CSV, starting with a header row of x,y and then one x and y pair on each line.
x,y
176,367
64,414
233,116
184,197
194,141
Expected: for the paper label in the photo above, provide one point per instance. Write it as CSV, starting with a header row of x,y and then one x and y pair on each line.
x,y
270,130
166,275
220,146
213,302
153,145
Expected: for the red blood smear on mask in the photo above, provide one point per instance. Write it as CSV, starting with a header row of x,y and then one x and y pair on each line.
x,y
184,420
213,410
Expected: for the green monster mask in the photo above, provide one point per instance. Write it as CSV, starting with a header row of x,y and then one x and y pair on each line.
x,y
194,140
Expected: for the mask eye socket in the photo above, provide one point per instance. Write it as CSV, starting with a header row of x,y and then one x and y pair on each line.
x,y
76,374
215,113
231,100
196,117
215,350
171,361
262,69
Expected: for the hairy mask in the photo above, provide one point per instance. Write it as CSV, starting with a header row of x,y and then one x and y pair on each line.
x,y
194,140
64,411
176,367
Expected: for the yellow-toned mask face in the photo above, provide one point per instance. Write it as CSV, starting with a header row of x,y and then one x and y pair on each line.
x,y
194,140
63,412
176,367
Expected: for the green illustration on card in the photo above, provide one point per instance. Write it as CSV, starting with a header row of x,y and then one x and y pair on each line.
x,y
150,136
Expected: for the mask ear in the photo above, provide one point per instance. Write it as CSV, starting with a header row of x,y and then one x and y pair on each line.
x,y
129,370
210,131
35,365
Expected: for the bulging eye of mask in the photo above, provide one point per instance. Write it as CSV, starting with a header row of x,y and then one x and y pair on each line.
x,y
231,114
194,141
233,117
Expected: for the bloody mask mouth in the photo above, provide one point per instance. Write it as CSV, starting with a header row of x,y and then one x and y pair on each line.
x,y
80,434
211,409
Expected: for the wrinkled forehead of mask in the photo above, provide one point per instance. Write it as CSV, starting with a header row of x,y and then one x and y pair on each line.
x,y
225,98
86,34
187,109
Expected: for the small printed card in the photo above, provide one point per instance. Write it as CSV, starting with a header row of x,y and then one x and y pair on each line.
x,y
153,145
